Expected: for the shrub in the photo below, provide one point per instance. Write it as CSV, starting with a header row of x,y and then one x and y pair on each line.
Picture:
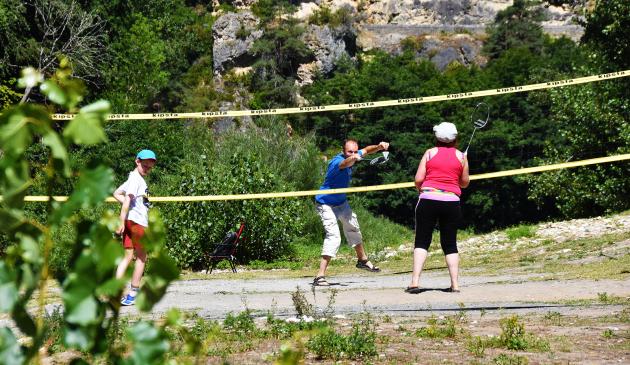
x,y
359,344
446,328
231,167
270,224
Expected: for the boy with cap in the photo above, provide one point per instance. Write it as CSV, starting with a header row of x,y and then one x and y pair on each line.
x,y
134,218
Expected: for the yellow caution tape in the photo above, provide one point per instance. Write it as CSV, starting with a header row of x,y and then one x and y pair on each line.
x,y
359,189
364,105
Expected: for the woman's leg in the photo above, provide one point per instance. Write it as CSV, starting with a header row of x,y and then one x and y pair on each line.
x,y
425,222
450,217
419,256
452,261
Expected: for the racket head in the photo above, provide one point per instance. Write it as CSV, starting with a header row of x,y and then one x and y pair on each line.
x,y
379,160
480,115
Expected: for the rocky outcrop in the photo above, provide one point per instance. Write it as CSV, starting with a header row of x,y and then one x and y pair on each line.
x,y
462,48
234,34
382,24
328,45
239,4
449,30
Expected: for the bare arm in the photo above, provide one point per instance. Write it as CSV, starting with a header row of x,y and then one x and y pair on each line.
x,y
464,180
421,174
382,146
119,195
350,161
124,210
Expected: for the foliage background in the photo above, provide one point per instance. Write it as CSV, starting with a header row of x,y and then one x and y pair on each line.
x,y
156,56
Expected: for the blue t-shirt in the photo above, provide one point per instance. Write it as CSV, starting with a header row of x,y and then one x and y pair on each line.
x,y
336,178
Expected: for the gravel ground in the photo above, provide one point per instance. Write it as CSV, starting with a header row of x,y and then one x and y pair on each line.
x,y
383,294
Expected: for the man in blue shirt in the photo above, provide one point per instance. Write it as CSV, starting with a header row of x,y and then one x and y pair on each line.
x,y
333,207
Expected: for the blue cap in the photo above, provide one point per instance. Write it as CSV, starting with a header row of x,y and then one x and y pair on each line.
x,y
146,155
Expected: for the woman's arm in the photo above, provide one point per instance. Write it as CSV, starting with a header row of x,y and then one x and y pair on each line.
x,y
421,174
464,180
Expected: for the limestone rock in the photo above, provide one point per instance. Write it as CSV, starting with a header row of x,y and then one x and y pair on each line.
x,y
239,4
234,34
461,48
328,45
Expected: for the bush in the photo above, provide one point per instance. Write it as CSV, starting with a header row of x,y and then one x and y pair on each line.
x,y
195,227
231,167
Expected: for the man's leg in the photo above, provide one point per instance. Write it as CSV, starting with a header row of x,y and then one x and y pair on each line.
x,y
352,231
323,265
361,255
332,238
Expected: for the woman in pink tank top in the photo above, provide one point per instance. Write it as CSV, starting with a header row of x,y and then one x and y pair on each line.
x,y
442,172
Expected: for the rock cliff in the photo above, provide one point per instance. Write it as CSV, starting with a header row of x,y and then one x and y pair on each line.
x,y
446,31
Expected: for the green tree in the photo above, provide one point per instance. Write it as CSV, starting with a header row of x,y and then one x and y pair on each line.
x,y
137,73
607,29
518,25
280,51
592,120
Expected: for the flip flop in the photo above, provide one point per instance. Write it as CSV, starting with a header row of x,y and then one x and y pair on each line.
x,y
413,290
320,281
451,290
367,265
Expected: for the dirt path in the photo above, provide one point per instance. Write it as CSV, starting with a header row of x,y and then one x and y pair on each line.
x,y
383,293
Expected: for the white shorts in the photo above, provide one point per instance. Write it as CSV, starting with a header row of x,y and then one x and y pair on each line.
x,y
329,216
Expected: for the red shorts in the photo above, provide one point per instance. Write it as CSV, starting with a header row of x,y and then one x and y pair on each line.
x,y
132,235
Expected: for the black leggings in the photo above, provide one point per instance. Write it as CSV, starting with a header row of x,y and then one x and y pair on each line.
x,y
428,213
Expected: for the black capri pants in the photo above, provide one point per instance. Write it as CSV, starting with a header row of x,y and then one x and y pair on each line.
x,y
447,213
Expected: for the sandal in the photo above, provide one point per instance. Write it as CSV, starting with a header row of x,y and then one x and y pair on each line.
x,y
320,281
367,265
413,290
451,290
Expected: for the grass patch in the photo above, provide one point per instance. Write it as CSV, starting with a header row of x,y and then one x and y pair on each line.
x,y
440,328
359,344
572,259
521,231
513,337
505,359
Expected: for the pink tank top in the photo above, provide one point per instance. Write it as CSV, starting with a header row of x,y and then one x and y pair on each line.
x,y
444,170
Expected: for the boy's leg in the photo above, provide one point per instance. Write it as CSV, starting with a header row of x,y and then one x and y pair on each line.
x,y
138,270
124,263
361,255
128,246
136,231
